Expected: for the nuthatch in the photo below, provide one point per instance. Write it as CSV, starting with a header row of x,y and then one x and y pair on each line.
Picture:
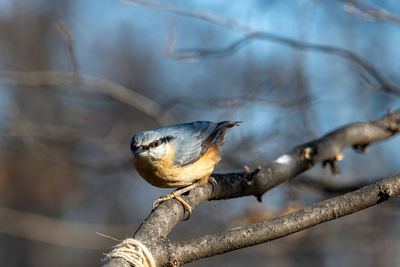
x,y
179,156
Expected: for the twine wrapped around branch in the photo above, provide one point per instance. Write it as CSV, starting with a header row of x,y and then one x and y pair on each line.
x,y
134,252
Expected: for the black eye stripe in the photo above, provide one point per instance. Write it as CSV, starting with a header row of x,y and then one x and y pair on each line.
x,y
158,142
168,138
133,147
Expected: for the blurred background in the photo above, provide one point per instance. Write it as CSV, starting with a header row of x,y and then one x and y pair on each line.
x,y
79,78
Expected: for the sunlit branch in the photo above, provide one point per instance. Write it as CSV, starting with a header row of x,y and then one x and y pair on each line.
x,y
327,150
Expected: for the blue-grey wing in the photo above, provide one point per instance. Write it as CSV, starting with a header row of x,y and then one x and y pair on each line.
x,y
191,140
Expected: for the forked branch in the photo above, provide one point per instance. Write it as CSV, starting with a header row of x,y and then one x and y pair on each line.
x,y
153,231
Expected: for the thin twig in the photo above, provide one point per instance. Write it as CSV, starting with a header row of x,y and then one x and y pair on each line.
x,y
202,14
369,11
62,29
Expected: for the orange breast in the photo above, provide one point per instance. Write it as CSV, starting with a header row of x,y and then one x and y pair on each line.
x,y
163,173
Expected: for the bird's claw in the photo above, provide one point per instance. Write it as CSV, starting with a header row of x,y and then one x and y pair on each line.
x,y
187,208
157,202
213,182
188,214
185,205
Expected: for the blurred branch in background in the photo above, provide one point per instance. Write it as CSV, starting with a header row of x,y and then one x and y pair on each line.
x,y
325,185
58,232
198,53
32,134
65,34
100,85
202,14
251,35
369,11
239,101
23,128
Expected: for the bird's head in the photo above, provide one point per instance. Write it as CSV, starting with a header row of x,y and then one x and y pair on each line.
x,y
153,145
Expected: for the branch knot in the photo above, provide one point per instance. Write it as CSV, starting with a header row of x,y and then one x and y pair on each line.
x,y
384,194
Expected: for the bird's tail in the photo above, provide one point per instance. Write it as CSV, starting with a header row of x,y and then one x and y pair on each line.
x,y
229,124
223,126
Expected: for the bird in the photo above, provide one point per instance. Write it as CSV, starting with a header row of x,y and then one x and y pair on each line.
x,y
179,156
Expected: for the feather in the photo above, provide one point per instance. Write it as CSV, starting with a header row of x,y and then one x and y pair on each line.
x,y
191,140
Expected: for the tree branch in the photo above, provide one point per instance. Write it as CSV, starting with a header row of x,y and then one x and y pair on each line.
x,y
153,231
253,234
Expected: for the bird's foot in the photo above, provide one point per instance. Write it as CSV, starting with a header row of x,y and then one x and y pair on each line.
x,y
177,196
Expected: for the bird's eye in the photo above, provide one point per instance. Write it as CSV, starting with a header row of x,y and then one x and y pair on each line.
x,y
157,143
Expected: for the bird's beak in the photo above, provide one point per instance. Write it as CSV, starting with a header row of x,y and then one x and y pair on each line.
x,y
137,152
